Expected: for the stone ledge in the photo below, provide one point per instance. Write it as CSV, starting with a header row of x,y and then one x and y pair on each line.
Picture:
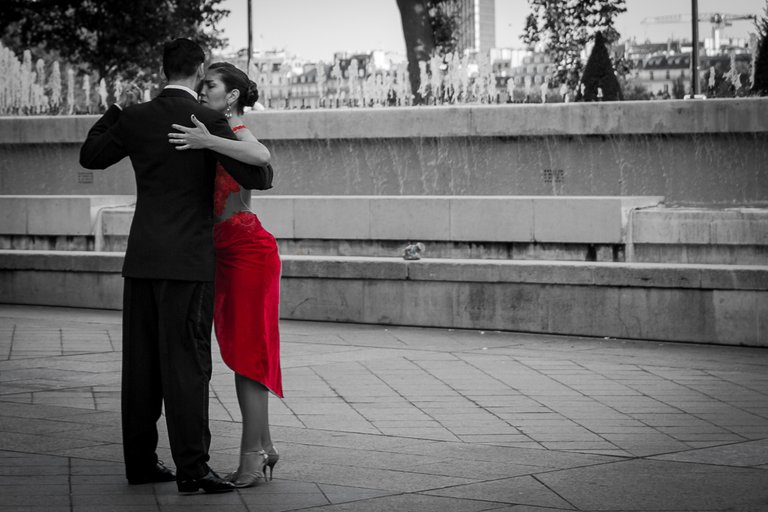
x,y
344,267
730,317
625,275
692,226
698,254
565,219
686,303
629,275
67,261
55,214
749,115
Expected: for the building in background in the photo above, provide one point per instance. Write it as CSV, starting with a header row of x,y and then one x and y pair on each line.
x,y
659,66
287,82
375,78
477,24
517,62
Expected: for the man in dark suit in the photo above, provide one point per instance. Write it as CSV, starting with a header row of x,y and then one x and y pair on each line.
x,y
169,271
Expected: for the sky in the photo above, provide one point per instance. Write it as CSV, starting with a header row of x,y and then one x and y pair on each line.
x,y
316,29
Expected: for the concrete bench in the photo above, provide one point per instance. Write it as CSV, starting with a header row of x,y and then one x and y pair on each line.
x,y
604,228
724,304
451,219
633,229
55,222
697,235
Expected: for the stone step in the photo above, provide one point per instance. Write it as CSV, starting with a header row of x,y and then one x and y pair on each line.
x,y
698,235
725,304
578,228
493,227
577,219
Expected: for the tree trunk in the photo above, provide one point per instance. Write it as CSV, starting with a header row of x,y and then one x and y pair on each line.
x,y
419,41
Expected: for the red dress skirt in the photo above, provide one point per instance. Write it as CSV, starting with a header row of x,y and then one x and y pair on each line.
x,y
246,306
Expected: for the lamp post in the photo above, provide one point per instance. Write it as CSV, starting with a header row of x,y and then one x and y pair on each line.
x,y
695,86
250,39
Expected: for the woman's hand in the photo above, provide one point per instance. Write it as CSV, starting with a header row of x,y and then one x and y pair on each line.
x,y
191,138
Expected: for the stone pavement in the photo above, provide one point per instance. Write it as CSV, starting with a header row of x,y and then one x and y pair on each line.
x,y
407,419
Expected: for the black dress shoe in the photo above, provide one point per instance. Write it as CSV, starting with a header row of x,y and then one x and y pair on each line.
x,y
158,473
210,483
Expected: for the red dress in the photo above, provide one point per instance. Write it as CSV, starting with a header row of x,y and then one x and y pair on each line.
x,y
246,306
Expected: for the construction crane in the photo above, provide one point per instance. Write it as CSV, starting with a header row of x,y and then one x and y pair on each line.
x,y
718,20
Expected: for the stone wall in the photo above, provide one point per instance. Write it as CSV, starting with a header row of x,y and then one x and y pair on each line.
x,y
698,153
725,304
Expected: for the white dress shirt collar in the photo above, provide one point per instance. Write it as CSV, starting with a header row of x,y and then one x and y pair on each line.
x,y
182,88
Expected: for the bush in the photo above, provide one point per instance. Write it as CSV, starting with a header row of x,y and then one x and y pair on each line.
x,y
631,90
599,73
678,88
761,66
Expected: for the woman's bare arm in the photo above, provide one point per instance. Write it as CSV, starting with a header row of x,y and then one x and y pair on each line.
x,y
246,148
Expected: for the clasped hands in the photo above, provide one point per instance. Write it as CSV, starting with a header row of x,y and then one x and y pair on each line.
x,y
190,138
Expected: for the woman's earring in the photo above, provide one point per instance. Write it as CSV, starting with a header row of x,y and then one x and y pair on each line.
x,y
228,112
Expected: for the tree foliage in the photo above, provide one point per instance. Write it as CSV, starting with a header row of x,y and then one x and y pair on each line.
x,y
599,80
565,26
430,27
444,22
531,33
419,40
761,64
679,88
109,36
761,24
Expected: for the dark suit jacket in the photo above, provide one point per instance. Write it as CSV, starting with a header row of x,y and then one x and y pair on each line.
x,y
171,235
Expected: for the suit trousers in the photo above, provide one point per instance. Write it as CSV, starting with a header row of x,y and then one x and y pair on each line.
x,y
166,359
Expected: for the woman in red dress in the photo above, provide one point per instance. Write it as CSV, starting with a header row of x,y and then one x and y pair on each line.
x,y
247,272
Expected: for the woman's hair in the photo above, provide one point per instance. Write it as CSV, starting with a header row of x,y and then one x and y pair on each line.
x,y
234,78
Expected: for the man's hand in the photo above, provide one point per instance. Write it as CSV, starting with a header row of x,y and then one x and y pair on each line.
x,y
191,138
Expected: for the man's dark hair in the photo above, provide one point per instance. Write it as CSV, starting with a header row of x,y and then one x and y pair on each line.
x,y
181,57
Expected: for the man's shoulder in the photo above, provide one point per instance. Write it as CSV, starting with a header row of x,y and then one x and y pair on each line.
x,y
173,106
213,120
208,115
137,110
